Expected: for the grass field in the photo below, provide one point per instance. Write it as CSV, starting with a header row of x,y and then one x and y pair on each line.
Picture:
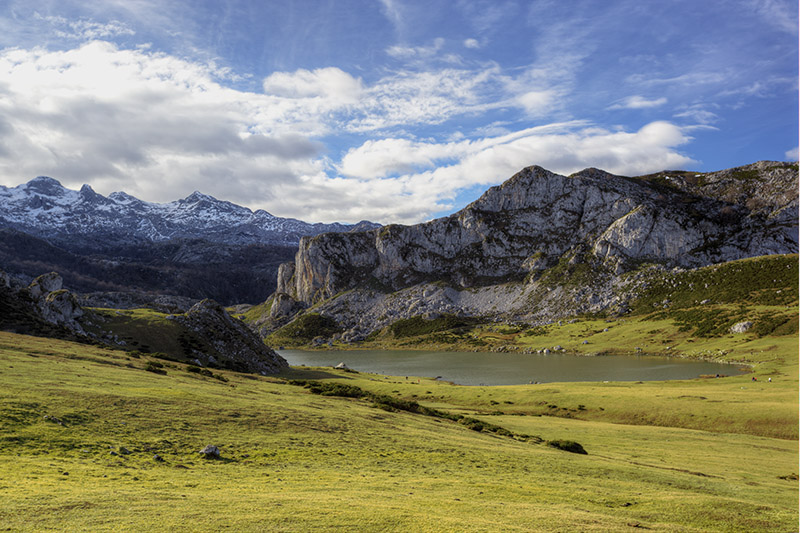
x,y
80,427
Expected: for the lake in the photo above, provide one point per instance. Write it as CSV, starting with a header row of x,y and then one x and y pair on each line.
x,y
477,368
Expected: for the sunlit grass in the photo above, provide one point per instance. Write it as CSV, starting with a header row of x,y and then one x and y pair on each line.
x,y
292,460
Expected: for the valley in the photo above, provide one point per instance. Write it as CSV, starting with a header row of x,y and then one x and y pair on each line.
x,y
93,440
108,397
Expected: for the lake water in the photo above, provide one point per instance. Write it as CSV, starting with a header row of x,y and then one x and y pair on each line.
x,y
476,368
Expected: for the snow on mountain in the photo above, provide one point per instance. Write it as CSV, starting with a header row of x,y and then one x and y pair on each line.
x,y
43,207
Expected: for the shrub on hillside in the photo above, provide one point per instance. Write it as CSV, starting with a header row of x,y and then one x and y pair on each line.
x,y
567,445
415,326
155,367
309,326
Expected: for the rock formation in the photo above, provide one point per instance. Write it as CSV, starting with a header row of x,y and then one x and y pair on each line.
x,y
41,307
505,253
56,305
229,343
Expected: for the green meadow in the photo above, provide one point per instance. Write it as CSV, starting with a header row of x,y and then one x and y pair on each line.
x,y
81,426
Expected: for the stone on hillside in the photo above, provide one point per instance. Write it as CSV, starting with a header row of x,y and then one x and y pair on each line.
x,y
210,452
342,366
55,304
741,327
53,419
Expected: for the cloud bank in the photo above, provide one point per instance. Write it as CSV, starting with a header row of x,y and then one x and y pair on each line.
x,y
160,127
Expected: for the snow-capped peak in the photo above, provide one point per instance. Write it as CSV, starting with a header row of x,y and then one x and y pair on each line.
x,y
45,208
44,185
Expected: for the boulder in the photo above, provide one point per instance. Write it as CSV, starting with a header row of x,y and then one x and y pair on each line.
x,y
56,305
741,327
210,452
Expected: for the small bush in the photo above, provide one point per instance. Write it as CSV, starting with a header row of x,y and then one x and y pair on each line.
x,y
198,370
567,445
415,326
479,425
155,367
307,327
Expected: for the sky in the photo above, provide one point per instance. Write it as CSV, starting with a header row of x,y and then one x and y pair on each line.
x,y
394,111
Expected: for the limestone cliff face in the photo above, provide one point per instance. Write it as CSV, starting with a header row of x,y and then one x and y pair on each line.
x,y
537,218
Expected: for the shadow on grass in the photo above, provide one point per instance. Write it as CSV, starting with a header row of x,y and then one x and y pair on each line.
x,y
310,373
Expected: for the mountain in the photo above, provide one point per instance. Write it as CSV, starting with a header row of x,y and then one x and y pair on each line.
x,y
542,245
198,247
44,208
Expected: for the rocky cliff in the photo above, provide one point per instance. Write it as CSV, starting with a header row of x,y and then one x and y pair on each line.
x,y
539,227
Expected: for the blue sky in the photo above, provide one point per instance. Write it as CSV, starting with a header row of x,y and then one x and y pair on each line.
x,y
387,110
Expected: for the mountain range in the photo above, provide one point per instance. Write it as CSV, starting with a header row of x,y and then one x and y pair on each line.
x,y
44,208
198,247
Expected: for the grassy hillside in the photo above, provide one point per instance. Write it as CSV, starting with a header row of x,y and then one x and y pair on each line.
x,y
686,313
80,427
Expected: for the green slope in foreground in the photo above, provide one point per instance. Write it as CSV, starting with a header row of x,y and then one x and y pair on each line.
x,y
297,461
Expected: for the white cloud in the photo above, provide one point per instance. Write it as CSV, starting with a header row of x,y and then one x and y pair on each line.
x,y
416,52
393,12
84,29
429,186
683,80
428,97
160,127
377,159
792,154
781,15
699,115
638,102
471,43
324,83
537,102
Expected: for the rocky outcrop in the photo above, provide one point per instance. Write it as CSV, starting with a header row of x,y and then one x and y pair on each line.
x,y
136,300
229,343
537,217
504,254
56,305
41,307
